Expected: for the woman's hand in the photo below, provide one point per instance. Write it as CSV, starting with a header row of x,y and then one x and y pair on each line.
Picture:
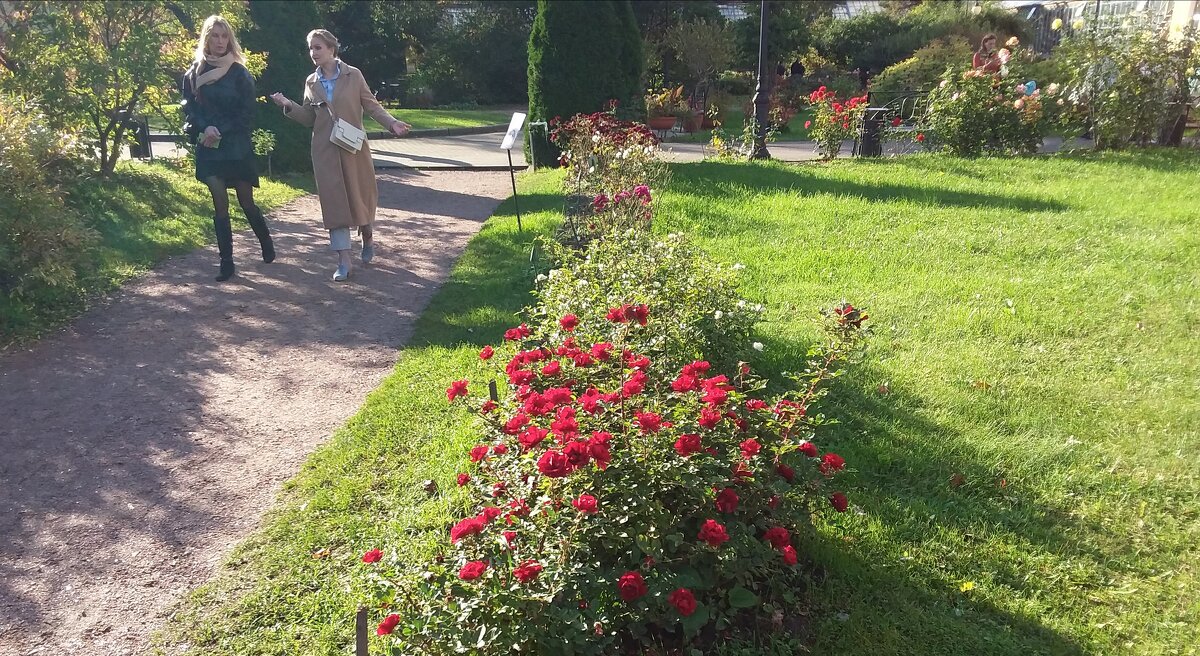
x,y
282,100
210,136
400,128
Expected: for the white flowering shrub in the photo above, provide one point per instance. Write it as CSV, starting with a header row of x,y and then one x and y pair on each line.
x,y
702,315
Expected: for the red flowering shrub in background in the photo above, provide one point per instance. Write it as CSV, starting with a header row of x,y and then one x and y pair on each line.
x,y
603,154
616,504
834,120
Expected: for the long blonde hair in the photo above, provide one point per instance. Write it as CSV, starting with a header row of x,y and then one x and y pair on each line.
x,y
234,48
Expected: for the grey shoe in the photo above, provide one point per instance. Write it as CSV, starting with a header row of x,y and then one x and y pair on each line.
x,y
341,274
368,253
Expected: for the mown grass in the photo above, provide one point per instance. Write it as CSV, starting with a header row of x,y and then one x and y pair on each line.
x,y
142,214
428,119
1024,435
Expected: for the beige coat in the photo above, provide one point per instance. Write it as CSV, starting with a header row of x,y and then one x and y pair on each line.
x,y
345,181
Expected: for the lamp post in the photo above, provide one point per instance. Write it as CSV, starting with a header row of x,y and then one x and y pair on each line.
x,y
761,91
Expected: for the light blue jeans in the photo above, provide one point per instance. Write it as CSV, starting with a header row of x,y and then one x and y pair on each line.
x,y
339,239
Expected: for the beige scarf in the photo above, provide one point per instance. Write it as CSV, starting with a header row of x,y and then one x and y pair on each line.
x,y
222,64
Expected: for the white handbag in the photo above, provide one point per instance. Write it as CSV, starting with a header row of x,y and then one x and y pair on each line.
x,y
344,135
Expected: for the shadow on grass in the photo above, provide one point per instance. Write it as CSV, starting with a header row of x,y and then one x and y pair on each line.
x,y
861,605
721,179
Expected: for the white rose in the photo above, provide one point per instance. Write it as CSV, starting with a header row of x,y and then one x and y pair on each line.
x,y
758,346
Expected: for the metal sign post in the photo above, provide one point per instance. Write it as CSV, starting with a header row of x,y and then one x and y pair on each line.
x,y
510,139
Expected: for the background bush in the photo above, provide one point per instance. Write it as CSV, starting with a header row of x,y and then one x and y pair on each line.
x,y
43,245
925,68
581,55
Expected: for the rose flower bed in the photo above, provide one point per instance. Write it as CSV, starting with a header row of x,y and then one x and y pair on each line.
x,y
615,504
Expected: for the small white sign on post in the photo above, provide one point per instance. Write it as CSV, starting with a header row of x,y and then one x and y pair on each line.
x,y
514,131
510,140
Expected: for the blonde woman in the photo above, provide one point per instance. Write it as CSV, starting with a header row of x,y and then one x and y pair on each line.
x,y
345,180
218,105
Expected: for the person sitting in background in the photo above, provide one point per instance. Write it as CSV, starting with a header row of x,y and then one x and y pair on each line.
x,y
986,58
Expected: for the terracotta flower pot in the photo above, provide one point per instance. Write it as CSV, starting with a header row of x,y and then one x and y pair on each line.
x,y
661,122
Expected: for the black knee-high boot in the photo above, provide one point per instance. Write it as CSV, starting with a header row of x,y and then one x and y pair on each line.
x,y
259,223
224,246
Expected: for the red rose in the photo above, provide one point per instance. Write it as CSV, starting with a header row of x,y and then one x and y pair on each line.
x,y
778,537
638,313
532,437
499,488
487,406
756,404
632,586
750,448
527,571
688,444
617,314
372,556
727,500
602,351
586,504
741,471
487,353
774,501
509,538
491,512
789,555
683,600
713,533
472,570
635,385
463,479
388,624
520,377
479,453
896,122
558,395
685,383
590,401
709,418
598,448
457,388
634,361
807,124
920,137
554,464
649,422
832,462
582,359
500,449
552,369
786,472
578,454
468,526
569,322
809,449
839,501
514,425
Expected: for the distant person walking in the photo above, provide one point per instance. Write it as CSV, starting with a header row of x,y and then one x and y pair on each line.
x,y
345,180
987,59
218,107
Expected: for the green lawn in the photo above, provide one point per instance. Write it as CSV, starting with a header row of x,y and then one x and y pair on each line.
x,y
144,213
1024,435
428,119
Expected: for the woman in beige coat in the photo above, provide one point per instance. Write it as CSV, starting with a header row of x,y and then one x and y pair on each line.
x,y
345,180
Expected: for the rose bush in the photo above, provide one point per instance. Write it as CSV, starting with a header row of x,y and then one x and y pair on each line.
x,y
701,314
834,120
604,155
613,506
974,113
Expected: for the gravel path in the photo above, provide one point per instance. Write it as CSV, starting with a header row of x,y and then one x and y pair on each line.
x,y
139,445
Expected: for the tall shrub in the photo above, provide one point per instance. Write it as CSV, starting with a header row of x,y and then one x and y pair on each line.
x,y
42,243
278,30
577,64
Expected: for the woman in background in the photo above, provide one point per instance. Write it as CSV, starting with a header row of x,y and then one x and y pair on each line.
x,y
218,106
345,180
986,58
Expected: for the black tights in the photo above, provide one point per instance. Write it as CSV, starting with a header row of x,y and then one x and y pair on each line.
x,y
220,196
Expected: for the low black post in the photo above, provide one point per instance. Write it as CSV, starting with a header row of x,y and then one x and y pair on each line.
x,y
513,174
360,633
870,144
492,391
